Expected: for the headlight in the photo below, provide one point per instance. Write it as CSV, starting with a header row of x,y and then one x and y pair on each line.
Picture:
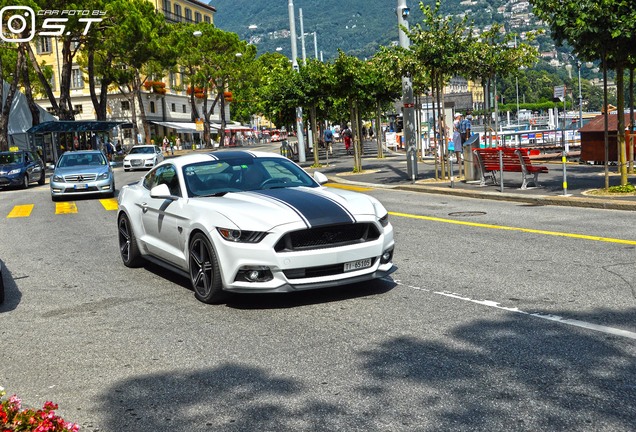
x,y
236,235
57,178
15,171
104,176
384,220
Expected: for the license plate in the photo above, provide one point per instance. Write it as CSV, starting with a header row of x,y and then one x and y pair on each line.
x,y
357,265
81,186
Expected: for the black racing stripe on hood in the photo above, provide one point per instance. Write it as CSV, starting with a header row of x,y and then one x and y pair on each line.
x,y
317,210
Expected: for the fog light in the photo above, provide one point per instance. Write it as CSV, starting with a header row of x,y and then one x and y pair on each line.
x,y
254,274
387,256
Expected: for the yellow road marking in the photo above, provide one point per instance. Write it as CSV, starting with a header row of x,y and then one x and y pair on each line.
x,y
65,207
109,203
347,187
21,211
509,228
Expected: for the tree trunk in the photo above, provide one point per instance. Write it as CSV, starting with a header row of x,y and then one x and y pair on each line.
x,y
46,85
442,125
631,121
26,84
99,104
378,130
314,133
66,106
434,125
207,114
142,110
6,108
620,108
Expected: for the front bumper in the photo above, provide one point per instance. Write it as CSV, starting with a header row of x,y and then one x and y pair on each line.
x,y
138,163
59,189
11,180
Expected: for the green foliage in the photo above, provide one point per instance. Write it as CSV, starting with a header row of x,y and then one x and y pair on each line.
x,y
623,189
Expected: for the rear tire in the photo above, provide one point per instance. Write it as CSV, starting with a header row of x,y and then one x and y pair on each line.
x,y
205,275
128,248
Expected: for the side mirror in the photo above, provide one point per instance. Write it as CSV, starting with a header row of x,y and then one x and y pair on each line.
x,y
320,177
162,192
112,164
50,166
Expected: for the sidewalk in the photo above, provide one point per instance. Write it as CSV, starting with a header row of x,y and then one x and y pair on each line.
x,y
391,173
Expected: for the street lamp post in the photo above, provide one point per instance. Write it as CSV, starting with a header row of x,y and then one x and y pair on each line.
x,y
407,96
299,110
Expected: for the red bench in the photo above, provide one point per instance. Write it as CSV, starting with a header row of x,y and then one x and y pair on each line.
x,y
514,160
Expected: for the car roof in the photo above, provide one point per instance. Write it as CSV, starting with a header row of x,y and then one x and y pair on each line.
x,y
80,152
190,158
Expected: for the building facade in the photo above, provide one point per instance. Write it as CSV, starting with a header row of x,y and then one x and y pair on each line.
x,y
161,109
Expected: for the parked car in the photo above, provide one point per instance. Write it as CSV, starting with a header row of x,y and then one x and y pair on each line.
x,y
19,168
237,221
143,157
82,172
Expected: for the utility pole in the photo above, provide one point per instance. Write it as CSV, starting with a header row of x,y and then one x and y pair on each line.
x,y
299,110
302,35
407,97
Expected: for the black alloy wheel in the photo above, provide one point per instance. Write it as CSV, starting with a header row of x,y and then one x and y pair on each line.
x,y
128,248
205,275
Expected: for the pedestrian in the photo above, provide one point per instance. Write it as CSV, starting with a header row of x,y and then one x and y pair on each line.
x,y
457,137
178,143
328,137
464,128
165,145
171,148
347,136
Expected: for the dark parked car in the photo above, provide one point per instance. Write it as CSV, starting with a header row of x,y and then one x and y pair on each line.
x,y
1,284
19,168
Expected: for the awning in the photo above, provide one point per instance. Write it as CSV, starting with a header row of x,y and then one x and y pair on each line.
x,y
76,126
180,127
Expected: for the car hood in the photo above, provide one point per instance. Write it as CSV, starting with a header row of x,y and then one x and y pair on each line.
x,y
264,209
9,167
80,170
139,156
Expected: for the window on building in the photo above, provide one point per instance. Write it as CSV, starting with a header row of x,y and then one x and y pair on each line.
x,y
188,15
207,19
184,108
78,109
152,107
173,107
177,11
166,6
52,82
197,17
44,45
173,80
50,110
77,80
125,105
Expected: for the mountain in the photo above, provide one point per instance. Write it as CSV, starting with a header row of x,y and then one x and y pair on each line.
x,y
358,27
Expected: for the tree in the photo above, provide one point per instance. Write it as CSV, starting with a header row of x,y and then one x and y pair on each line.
x,y
597,30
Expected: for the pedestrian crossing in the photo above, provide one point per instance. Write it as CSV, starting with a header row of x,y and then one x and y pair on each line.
x,y
61,208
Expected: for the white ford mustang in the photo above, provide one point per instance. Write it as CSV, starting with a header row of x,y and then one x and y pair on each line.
x,y
239,221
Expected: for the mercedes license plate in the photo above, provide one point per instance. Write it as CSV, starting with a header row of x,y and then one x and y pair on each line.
x,y
81,186
357,265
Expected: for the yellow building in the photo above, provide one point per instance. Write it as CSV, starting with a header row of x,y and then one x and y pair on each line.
x,y
162,111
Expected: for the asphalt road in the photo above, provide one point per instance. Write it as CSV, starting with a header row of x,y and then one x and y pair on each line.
x,y
501,316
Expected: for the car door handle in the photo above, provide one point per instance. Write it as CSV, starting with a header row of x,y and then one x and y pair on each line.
x,y
144,207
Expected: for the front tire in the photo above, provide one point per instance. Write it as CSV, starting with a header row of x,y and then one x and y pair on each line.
x,y
205,275
25,181
128,248
42,179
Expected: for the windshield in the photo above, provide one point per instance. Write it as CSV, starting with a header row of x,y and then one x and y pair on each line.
x,y
144,150
70,159
11,158
243,174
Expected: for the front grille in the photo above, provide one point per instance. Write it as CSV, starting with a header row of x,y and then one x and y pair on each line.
x,y
327,237
321,271
136,162
80,178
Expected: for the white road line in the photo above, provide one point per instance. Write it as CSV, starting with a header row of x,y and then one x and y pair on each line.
x,y
556,318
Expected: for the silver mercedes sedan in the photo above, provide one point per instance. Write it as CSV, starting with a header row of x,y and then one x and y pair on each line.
x,y
82,172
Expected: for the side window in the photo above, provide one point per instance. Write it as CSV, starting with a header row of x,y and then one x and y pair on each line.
x,y
167,174
149,180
